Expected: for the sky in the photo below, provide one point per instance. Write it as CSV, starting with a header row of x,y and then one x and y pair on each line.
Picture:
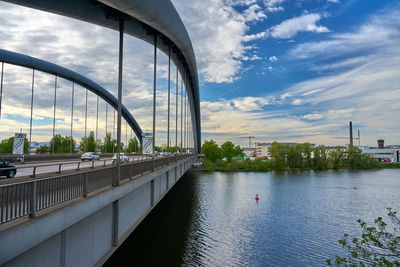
x,y
278,70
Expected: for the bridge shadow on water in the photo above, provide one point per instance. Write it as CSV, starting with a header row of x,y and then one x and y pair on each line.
x,y
161,238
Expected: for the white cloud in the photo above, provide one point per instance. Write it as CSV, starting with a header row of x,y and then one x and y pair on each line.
x,y
273,58
251,58
251,103
364,88
274,9
378,33
272,6
252,37
334,1
284,96
289,28
219,48
271,3
296,102
313,116
254,13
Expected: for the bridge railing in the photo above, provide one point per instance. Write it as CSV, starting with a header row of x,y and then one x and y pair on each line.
x,y
26,198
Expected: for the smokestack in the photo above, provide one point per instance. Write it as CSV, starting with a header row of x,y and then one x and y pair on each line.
x,y
351,133
381,144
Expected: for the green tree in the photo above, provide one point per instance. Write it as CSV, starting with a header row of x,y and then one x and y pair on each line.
x,y
43,149
278,154
295,156
88,144
133,145
211,150
377,245
336,156
355,159
321,157
6,145
228,150
109,144
307,155
61,144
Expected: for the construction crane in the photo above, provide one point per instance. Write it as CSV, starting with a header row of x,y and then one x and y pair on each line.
x,y
250,137
351,135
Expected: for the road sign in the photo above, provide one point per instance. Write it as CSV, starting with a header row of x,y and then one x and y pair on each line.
x,y
18,147
147,145
20,134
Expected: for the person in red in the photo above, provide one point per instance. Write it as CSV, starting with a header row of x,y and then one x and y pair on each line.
x,y
257,197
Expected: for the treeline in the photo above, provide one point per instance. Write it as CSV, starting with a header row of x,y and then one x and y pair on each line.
x,y
286,157
62,145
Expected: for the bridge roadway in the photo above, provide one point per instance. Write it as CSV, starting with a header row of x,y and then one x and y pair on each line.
x,y
80,219
25,170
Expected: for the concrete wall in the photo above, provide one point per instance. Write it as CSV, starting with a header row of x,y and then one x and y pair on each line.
x,y
88,231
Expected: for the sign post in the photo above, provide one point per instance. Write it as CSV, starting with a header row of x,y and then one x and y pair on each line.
x,y
147,141
18,146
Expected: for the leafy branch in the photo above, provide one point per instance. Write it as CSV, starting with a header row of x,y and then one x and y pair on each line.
x,y
376,247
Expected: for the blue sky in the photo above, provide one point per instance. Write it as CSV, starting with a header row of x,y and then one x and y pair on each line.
x,y
278,70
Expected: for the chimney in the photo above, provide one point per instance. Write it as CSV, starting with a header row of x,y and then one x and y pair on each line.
x,y
351,133
381,144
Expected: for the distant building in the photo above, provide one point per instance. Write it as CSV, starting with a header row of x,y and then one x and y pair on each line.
x,y
263,149
33,147
381,144
249,152
383,154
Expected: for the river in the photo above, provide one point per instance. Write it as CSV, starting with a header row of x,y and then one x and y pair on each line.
x,y
213,219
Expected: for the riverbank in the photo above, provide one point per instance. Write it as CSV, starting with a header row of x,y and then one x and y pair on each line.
x,y
265,166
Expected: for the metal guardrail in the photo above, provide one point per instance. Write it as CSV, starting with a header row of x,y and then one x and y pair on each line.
x,y
60,165
26,198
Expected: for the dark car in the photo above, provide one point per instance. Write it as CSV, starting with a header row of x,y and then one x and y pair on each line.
x,y
10,173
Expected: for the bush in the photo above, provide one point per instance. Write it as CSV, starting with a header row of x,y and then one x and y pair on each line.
x,y
376,247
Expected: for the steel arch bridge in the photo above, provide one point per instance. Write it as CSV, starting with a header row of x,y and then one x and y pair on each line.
x,y
154,21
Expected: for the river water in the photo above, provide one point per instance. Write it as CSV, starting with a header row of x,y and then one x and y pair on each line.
x,y
213,219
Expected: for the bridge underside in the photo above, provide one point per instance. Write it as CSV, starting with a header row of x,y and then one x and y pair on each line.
x,y
86,231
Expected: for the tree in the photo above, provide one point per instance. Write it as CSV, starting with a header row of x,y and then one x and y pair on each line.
x,y
307,151
355,159
278,154
133,145
321,157
6,145
376,247
88,144
109,144
228,150
336,156
43,149
61,144
211,150
294,156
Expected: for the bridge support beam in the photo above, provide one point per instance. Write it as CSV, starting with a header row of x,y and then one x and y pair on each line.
x,y
154,98
120,60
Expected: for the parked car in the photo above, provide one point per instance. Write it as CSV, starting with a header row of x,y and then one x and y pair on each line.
x,y
9,173
123,157
90,156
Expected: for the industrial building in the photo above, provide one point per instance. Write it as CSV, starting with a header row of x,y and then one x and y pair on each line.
x,y
382,153
263,149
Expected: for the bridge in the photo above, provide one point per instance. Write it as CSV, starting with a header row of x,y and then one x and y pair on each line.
x,y
78,214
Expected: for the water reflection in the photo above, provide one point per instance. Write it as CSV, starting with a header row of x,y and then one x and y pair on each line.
x,y
212,219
